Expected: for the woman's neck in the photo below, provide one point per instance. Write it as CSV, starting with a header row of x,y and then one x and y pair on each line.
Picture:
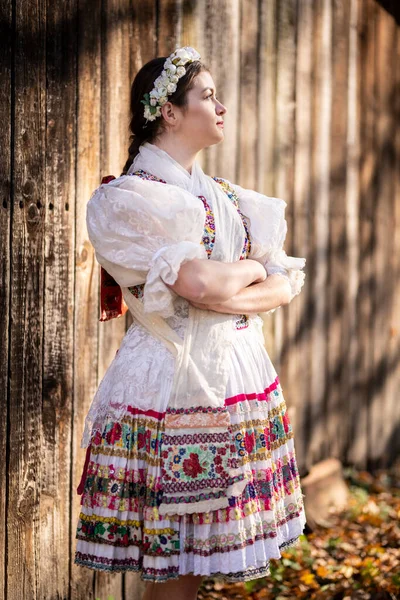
x,y
182,154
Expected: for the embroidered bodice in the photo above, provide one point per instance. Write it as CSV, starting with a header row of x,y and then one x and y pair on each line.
x,y
208,238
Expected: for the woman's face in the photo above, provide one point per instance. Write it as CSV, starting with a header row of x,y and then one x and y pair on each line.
x,y
199,124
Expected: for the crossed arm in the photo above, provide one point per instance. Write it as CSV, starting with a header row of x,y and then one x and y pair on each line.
x,y
234,288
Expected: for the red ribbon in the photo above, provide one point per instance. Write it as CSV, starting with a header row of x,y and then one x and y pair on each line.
x,y
112,303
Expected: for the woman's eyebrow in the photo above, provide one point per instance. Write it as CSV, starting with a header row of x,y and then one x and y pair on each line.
x,y
208,88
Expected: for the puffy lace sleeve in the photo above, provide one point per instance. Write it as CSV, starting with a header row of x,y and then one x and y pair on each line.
x,y
142,232
268,229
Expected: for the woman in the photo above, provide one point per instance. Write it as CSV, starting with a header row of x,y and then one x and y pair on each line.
x,y
191,469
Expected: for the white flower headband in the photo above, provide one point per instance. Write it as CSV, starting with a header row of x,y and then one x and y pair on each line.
x,y
165,84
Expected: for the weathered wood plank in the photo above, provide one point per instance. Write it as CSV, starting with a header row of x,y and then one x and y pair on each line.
x,y
285,319
356,420
58,300
321,108
394,341
385,70
366,101
338,307
25,466
300,365
247,128
267,124
220,51
6,208
143,47
115,103
266,100
86,309
169,26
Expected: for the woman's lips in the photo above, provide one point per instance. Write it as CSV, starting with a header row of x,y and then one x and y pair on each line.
x,y
220,124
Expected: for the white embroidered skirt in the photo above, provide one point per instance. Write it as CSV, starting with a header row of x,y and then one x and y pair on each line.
x,y
119,527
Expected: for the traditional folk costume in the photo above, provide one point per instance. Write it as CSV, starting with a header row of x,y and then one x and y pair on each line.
x,y
191,466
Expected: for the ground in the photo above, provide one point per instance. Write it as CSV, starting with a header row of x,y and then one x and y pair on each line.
x,y
358,558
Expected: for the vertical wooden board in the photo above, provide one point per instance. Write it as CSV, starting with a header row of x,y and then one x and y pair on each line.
x,y
5,226
115,103
356,419
284,325
368,168
394,342
191,34
248,95
359,167
86,309
338,309
300,367
26,290
384,234
58,299
318,267
221,53
266,96
267,123
169,26
143,46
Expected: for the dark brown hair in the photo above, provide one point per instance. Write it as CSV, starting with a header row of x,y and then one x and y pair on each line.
x,y
144,82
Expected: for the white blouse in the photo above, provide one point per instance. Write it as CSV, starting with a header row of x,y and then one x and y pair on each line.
x,y
143,231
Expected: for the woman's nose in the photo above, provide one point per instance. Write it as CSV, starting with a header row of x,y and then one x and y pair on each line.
x,y
222,109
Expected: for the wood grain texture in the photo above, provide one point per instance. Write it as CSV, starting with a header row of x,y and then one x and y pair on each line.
x,y
283,168
6,210
58,300
338,307
268,34
86,307
321,148
222,56
381,424
25,466
299,369
356,439
142,48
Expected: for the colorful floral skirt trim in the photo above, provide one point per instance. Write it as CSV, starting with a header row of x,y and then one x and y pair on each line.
x,y
120,528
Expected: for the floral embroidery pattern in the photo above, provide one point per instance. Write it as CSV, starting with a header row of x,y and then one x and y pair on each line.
x,y
120,533
233,196
196,461
208,239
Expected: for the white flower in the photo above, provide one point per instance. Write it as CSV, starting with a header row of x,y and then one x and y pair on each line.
x,y
182,54
166,83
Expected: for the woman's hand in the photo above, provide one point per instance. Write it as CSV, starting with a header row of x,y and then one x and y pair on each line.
x,y
222,307
256,298
260,271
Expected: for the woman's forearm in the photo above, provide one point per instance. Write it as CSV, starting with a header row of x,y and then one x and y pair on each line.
x,y
275,291
211,281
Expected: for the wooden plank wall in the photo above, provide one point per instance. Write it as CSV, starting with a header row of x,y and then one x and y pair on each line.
x,y
312,90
